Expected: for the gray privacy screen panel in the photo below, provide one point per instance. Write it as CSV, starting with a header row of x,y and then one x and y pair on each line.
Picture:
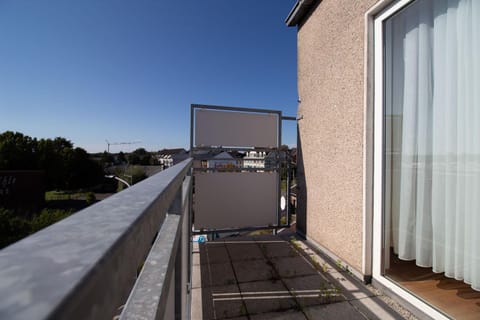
x,y
235,199
236,129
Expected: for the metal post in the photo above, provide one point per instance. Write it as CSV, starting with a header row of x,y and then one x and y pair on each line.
x,y
176,209
287,159
192,111
179,276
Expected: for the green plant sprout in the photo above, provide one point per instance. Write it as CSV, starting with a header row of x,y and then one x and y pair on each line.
x,y
339,264
324,267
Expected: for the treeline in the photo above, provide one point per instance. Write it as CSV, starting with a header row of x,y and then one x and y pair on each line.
x,y
142,157
139,156
14,227
65,167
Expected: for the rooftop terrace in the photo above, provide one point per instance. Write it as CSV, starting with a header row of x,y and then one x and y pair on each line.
x,y
278,277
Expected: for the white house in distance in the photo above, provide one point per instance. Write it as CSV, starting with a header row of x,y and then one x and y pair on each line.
x,y
170,157
223,160
254,159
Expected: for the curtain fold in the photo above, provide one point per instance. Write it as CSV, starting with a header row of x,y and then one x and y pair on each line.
x,y
433,136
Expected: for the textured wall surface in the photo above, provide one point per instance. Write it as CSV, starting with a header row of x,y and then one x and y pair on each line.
x,y
331,91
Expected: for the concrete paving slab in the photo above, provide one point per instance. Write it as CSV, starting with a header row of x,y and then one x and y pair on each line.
x,y
218,274
334,311
293,267
313,290
254,270
241,278
375,308
197,305
308,282
196,258
266,296
196,277
244,251
226,302
216,253
284,315
277,249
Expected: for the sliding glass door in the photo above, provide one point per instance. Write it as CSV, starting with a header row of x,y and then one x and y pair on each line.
x,y
431,142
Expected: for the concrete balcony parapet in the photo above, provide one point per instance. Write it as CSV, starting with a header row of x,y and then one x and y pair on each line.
x,y
85,266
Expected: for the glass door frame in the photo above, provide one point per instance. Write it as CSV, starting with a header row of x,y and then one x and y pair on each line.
x,y
378,248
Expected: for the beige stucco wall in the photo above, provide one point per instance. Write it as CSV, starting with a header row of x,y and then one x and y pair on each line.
x,y
331,91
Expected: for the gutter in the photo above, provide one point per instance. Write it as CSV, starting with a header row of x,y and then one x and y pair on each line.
x,y
298,12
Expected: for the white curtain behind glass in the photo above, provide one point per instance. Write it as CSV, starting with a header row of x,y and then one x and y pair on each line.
x,y
433,136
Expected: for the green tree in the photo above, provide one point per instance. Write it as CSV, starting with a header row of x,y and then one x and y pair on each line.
x,y
121,158
140,152
146,160
90,198
283,147
140,156
81,171
133,159
106,159
12,228
47,217
64,166
17,151
52,159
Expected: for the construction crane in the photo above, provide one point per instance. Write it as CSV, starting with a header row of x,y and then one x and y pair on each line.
x,y
119,143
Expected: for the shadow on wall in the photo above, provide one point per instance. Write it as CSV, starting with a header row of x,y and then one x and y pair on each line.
x,y
301,189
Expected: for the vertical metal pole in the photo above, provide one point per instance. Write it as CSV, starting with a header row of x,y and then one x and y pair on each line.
x,y
192,112
188,216
176,208
279,167
289,173
178,278
190,209
287,158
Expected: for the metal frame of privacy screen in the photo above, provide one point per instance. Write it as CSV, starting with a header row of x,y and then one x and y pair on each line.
x,y
228,195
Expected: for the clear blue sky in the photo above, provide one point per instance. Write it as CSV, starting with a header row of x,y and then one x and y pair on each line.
x,y
126,70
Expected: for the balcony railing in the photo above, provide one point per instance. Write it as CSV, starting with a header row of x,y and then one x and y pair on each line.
x,y
129,254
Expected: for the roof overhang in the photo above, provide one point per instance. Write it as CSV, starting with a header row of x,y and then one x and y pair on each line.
x,y
299,11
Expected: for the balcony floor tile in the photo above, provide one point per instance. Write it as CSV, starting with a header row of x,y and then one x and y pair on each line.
x,y
266,296
218,274
254,270
244,251
271,277
283,315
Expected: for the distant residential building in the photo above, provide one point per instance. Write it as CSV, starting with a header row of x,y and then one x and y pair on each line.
x,y
223,160
254,159
218,159
170,157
